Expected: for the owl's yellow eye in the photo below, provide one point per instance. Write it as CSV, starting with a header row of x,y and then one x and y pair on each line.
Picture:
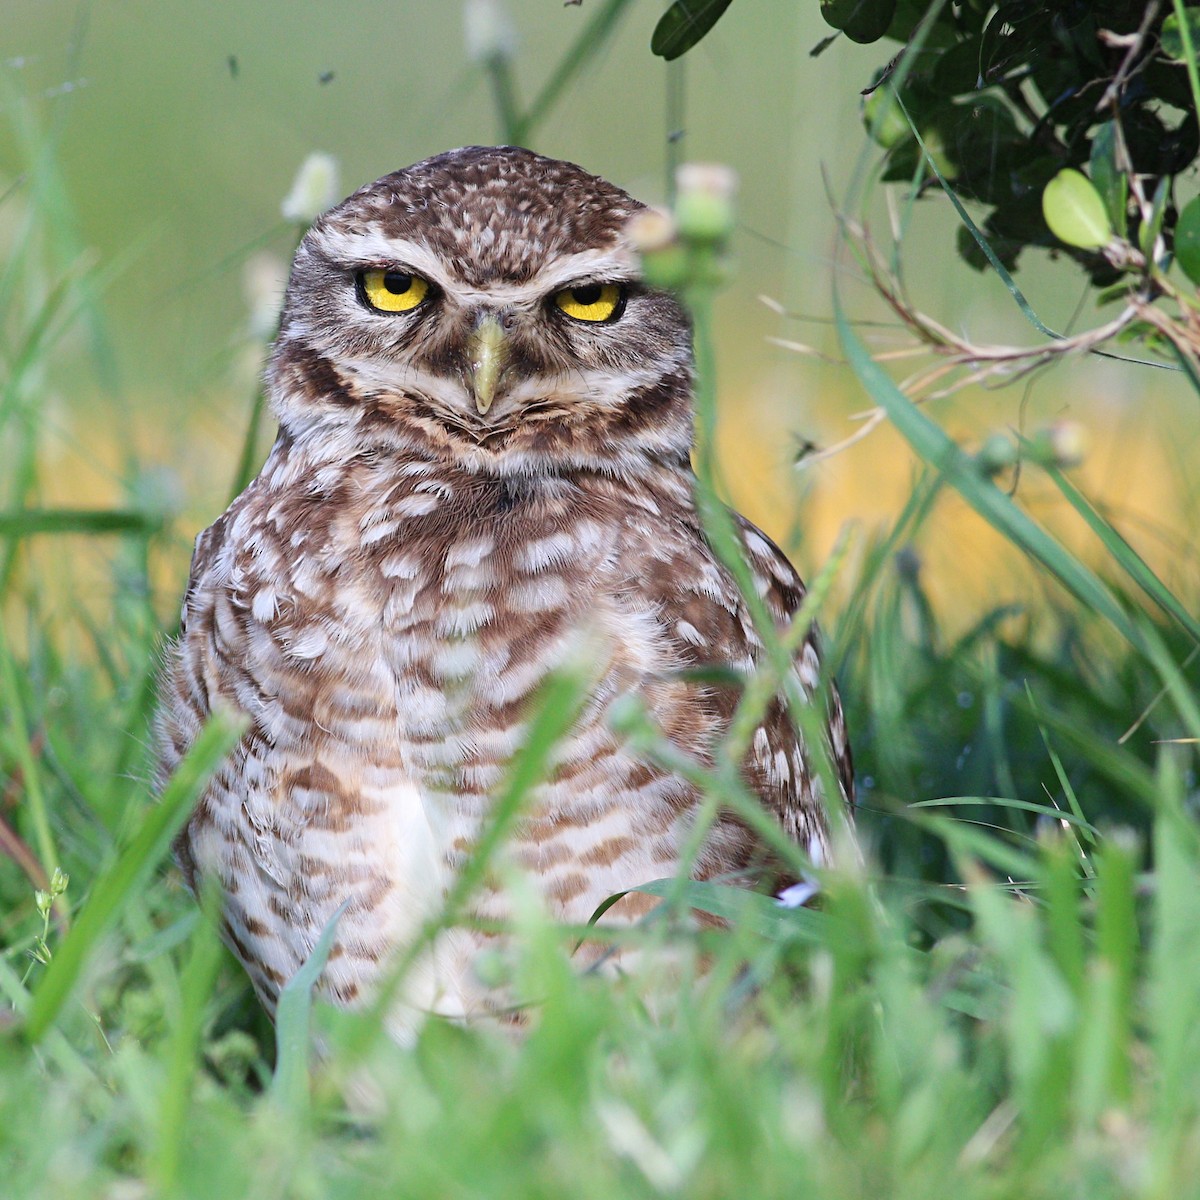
x,y
592,301
392,291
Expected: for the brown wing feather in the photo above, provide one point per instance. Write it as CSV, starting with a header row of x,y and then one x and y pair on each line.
x,y
709,626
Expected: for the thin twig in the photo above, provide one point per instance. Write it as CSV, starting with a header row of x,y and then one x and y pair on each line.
x,y
1136,43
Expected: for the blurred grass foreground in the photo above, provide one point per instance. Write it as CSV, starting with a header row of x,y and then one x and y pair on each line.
x,y
1004,1000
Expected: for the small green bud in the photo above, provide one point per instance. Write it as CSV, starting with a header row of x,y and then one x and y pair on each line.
x,y
997,454
43,900
883,118
655,236
704,209
58,882
667,268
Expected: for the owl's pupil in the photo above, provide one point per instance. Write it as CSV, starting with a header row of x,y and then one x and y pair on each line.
x,y
397,282
586,295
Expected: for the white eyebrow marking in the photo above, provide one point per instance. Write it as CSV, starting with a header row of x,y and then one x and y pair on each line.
x,y
608,264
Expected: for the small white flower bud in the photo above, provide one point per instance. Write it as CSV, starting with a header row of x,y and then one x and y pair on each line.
x,y
651,229
488,32
711,179
704,201
1068,443
314,190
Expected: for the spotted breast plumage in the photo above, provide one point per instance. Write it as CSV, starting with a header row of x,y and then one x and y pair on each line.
x,y
482,472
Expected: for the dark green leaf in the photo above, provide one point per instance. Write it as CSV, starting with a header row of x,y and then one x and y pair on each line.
x,y
860,20
1110,182
1187,240
684,24
1172,34
957,69
293,1018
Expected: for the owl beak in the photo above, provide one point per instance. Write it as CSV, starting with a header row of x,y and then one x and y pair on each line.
x,y
487,351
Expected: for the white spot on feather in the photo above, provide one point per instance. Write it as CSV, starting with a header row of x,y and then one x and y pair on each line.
x,y
266,604
417,505
548,551
469,552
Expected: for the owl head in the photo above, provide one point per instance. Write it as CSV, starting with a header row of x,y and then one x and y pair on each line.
x,y
484,304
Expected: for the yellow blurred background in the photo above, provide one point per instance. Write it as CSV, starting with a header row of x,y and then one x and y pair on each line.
x,y
178,128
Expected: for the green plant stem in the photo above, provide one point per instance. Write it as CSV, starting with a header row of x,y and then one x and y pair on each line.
x,y
196,985
504,93
585,47
248,455
35,794
1189,52
132,867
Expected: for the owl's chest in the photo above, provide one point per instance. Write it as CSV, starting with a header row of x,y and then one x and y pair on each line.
x,y
440,618
391,662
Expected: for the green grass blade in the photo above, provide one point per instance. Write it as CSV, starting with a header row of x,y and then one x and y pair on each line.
x,y
196,985
1043,810
1121,768
1125,555
968,841
589,43
1182,695
934,446
89,521
133,866
1064,780
293,1022
1104,1069
1188,366
1174,967
558,705
1189,50
976,233
742,908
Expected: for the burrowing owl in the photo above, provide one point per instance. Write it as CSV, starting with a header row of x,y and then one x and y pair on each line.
x,y
482,466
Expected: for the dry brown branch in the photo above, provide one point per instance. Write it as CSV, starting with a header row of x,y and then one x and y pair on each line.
x,y
1134,44
960,363
12,844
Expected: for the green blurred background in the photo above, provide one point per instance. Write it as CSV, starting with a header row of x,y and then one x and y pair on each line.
x,y
176,129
